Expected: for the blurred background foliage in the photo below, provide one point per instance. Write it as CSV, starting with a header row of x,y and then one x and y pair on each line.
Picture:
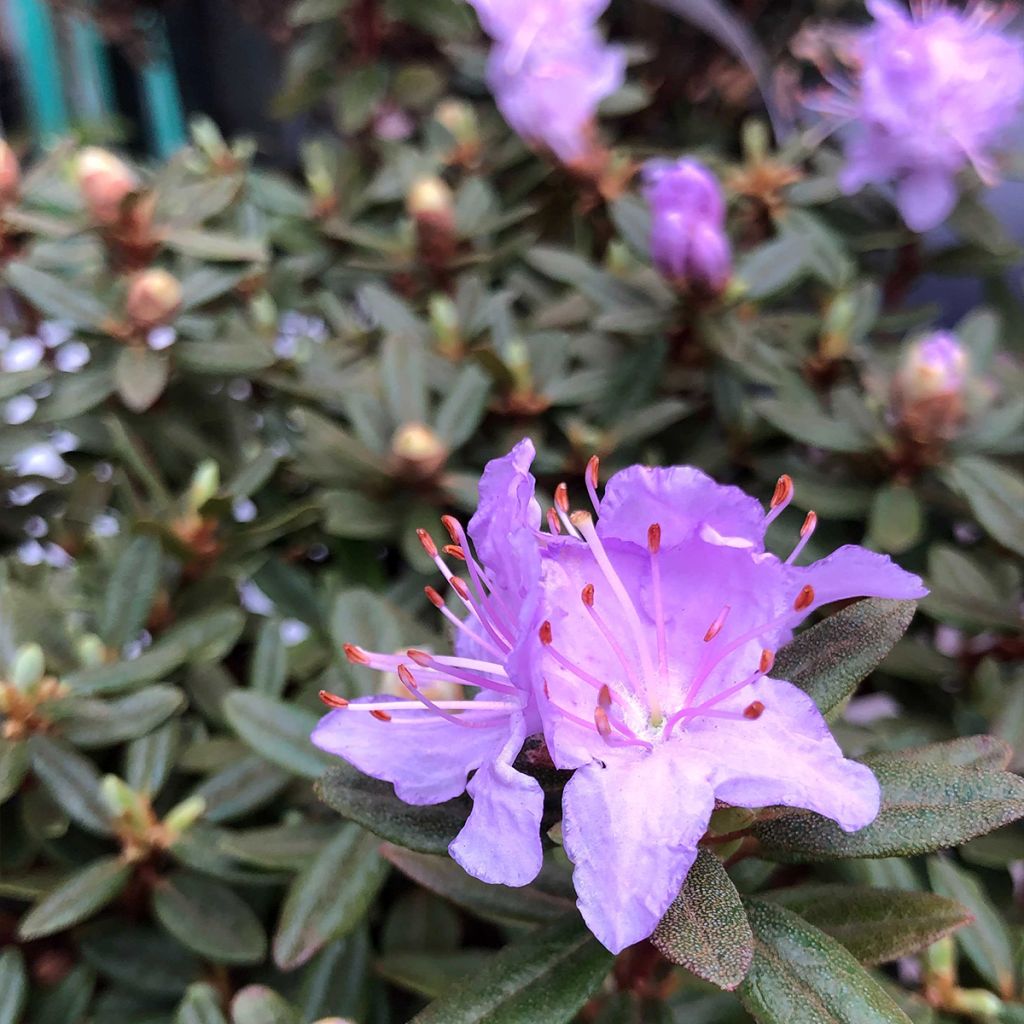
x,y
236,379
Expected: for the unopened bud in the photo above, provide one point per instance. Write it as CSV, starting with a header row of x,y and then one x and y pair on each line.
x,y
418,453
838,324
431,198
978,1003
934,367
91,651
459,119
123,802
940,961
205,484
183,816
444,319
153,298
432,207
10,174
29,665
105,182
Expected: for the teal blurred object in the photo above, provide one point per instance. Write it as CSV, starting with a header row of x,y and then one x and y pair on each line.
x,y
66,78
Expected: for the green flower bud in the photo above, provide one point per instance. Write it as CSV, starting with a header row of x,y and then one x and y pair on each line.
x,y
183,816
205,484
28,667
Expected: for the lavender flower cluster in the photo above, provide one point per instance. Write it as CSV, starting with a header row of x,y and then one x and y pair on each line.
x,y
638,639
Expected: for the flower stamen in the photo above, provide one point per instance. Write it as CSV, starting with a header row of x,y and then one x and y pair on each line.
x,y
781,498
806,532
591,477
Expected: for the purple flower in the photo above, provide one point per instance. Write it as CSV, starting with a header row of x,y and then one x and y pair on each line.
x,y
688,239
935,366
428,748
659,628
935,93
549,69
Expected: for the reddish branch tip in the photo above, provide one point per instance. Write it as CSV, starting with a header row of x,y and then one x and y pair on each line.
x,y
783,491
545,632
562,497
381,716
587,594
767,660
355,654
604,727
454,551
428,545
654,538
332,700
753,711
420,657
434,597
809,523
804,599
451,524
593,465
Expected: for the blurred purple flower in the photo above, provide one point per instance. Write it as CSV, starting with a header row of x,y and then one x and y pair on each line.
x,y
935,366
936,92
688,239
428,748
549,70
660,624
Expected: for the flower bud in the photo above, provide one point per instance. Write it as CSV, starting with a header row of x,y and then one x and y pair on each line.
x,y
431,199
205,484
976,1003
934,367
689,245
124,803
91,651
153,298
444,319
459,119
105,182
418,453
10,174
29,665
183,816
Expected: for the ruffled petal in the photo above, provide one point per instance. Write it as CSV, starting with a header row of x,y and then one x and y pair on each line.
x,y
631,829
853,571
425,757
500,843
682,500
786,757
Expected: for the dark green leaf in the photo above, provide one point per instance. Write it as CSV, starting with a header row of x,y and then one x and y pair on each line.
x,y
89,722
706,928
546,977
241,787
55,297
801,976
875,925
208,918
268,670
201,1005
13,985
257,1004
72,781
141,376
130,592
896,519
79,896
431,974
523,905
215,246
330,896
14,764
277,731
141,958
829,660
373,805
995,495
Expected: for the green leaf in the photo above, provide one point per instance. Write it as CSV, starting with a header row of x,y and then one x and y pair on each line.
x,y
896,520
927,804
13,985
801,976
277,731
79,896
995,495
502,903
987,941
14,764
257,1004
809,424
149,759
545,977
330,896
141,376
130,592
72,781
141,958
88,722
373,805
55,297
224,355
268,670
459,415
215,246
829,660
706,928
68,1000
208,918
431,974
241,787
201,1005
207,637
875,925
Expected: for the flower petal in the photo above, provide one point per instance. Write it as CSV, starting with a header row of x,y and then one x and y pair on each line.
x,y
786,756
682,500
500,843
426,757
926,198
631,828
853,571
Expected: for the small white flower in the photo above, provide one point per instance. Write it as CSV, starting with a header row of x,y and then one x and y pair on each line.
x,y
243,510
21,354
293,632
70,358
19,409
40,459
161,337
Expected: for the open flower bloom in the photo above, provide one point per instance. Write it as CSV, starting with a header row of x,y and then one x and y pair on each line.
x,y
427,748
659,626
549,69
935,92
